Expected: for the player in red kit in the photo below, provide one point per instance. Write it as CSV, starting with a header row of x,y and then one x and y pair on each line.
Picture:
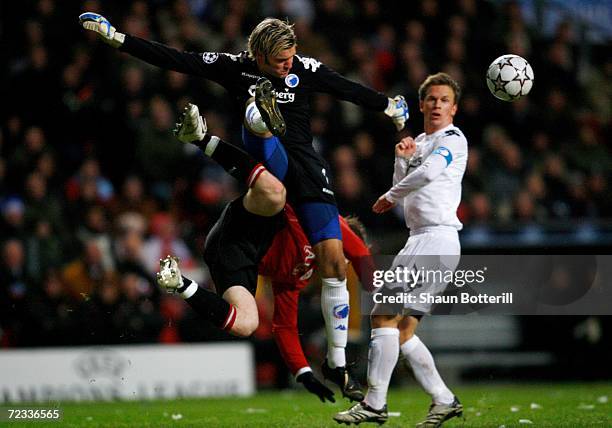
x,y
289,264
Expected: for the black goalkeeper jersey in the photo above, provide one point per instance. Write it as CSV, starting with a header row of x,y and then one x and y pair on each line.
x,y
238,74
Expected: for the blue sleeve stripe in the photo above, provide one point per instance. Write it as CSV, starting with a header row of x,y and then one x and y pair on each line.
x,y
445,153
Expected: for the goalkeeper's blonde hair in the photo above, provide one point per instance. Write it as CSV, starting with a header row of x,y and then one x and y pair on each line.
x,y
270,37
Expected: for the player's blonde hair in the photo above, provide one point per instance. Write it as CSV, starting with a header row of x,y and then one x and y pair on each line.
x,y
439,79
270,37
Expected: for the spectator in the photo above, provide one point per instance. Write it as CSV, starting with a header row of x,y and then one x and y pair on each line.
x,y
97,320
165,239
50,315
90,171
133,198
13,219
41,205
83,275
26,155
555,178
95,228
43,251
15,287
137,315
157,153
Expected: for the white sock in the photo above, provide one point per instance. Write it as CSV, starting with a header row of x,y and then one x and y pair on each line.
x,y
335,308
382,357
252,116
425,372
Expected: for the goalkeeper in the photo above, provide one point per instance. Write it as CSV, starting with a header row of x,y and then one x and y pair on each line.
x,y
282,83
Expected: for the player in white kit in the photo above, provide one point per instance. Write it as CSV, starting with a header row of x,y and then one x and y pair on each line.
x,y
427,181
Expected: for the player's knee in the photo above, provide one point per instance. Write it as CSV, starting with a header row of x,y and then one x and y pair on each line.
x,y
332,267
247,317
269,195
339,267
276,196
407,327
385,321
245,328
331,260
406,335
376,321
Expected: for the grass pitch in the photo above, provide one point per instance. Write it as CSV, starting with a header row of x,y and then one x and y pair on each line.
x,y
537,405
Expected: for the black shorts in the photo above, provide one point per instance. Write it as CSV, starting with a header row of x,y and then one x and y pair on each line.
x,y
237,243
307,178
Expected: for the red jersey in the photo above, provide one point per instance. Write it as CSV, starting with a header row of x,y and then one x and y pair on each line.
x,y
290,262
290,259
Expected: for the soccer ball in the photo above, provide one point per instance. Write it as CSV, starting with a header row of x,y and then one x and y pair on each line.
x,y
509,77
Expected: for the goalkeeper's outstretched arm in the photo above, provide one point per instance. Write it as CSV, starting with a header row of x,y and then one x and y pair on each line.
x,y
153,53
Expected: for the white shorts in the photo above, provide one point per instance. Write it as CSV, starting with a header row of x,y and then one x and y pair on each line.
x,y
430,257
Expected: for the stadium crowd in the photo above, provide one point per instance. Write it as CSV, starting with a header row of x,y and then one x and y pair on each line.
x,y
95,189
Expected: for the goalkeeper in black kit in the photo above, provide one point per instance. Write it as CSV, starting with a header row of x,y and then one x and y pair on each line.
x,y
271,85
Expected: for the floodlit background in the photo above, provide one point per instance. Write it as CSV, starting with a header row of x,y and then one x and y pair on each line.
x,y
94,189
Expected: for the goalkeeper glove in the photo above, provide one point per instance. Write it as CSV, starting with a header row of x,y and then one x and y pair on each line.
x,y
96,22
397,110
312,384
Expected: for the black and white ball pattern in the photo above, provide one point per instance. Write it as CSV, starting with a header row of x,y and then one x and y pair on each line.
x,y
510,77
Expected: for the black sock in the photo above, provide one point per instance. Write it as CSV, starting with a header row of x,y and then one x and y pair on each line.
x,y
211,306
233,159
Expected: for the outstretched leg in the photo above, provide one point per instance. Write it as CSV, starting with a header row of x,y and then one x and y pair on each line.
x,y
235,312
232,268
266,194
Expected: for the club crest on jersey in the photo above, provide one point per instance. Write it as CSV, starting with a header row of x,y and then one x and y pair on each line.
x,y
341,311
210,57
292,80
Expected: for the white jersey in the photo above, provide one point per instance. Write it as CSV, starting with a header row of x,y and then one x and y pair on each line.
x,y
429,183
